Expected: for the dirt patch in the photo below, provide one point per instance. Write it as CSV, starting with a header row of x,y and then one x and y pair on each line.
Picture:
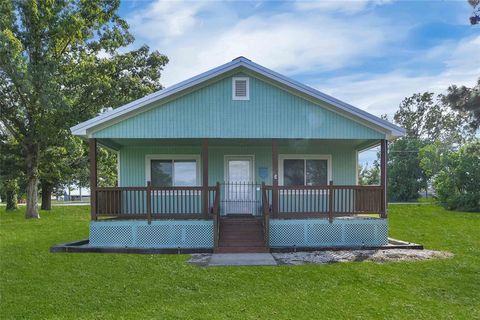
x,y
390,255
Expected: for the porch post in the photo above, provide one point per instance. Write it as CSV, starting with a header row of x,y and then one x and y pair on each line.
x,y
205,176
92,153
274,177
383,176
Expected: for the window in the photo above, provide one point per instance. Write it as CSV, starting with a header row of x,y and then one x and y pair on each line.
x,y
240,88
178,171
297,170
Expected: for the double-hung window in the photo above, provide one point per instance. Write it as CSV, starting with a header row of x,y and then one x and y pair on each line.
x,y
176,171
308,170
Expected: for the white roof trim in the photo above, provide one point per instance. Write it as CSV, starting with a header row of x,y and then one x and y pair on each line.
x,y
391,129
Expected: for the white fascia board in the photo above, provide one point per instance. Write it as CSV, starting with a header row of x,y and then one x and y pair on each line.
x,y
392,131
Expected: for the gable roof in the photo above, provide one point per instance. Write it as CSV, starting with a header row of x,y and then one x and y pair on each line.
x,y
392,131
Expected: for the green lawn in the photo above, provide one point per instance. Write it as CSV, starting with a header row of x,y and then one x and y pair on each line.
x,y
37,284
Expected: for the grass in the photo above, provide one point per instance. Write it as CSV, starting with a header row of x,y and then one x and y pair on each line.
x,y
426,200
36,284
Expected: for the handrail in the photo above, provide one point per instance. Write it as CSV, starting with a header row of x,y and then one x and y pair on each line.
x,y
216,216
326,187
266,216
210,188
327,200
149,202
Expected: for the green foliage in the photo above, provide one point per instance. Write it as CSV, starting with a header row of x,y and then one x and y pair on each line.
x,y
11,194
456,174
62,62
426,117
11,170
405,177
432,125
467,101
370,175
37,284
107,168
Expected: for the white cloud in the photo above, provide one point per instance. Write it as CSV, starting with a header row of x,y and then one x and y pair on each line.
x,y
166,19
304,39
382,93
199,37
346,6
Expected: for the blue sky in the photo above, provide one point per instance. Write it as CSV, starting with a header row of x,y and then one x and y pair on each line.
x,y
369,53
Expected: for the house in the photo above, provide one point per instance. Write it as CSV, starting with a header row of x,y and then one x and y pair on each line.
x,y
76,193
237,159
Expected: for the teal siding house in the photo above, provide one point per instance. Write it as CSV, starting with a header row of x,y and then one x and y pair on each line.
x,y
237,159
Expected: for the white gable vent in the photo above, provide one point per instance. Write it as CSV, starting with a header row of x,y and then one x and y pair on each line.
x,y
240,88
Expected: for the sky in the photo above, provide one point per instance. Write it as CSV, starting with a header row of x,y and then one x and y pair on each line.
x,y
369,53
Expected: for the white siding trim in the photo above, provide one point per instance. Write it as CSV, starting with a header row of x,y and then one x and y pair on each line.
x,y
357,167
118,169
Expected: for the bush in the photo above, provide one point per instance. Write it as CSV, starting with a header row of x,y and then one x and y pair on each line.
x,y
457,184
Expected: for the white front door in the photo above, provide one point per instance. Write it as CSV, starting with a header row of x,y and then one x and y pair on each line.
x,y
239,191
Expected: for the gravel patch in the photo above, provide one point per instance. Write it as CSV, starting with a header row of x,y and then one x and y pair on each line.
x,y
379,256
322,257
200,259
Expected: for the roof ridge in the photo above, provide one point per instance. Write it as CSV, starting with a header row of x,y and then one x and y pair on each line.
x,y
241,61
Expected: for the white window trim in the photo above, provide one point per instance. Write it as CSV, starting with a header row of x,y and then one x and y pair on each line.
x,y
150,157
357,169
247,97
118,169
282,157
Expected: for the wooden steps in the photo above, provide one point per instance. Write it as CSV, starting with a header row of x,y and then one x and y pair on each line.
x,y
241,234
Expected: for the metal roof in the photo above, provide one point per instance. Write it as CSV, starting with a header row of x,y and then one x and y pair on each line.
x,y
133,107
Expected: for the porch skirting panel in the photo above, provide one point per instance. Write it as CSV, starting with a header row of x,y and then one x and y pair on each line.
x,y
167,234
341,232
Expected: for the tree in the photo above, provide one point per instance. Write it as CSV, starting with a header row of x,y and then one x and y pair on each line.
x,y
475,17
456,174
467,101
370,175
427,119
11,165
405,177
58,164
59,65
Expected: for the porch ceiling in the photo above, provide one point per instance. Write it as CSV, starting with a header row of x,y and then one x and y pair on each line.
x,y
117,144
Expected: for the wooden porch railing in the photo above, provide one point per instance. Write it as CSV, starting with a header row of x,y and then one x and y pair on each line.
x,y
216,216
323,201
266,216
154,202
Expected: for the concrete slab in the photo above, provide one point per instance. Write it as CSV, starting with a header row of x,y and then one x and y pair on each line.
x,y
242,259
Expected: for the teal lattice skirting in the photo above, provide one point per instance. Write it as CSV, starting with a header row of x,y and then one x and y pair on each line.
x,y
348,232
168,234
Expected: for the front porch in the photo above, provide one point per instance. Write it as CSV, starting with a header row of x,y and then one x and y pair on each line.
x,y
196,217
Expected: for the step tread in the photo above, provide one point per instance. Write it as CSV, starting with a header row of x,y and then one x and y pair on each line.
x,y
241,249
242,244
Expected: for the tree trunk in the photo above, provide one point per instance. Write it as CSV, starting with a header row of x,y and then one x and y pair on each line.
x,y
11,195
46,196
32,181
